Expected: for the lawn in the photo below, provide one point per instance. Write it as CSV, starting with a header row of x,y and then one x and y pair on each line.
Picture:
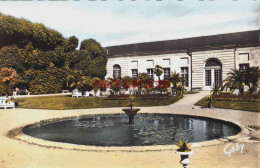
x,y
237,105
67,102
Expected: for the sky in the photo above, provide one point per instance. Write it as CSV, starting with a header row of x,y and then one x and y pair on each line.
x,y
115,22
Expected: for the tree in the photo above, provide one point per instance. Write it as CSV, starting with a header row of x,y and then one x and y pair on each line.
x,y
158,70
72,43
21,31
79,81
47,81
177,81
10,57
115,85
235,80
7,77
97,67
93,47
144,81
127,82
43,58
252,77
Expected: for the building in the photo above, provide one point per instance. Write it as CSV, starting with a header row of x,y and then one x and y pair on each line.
x,y
202,61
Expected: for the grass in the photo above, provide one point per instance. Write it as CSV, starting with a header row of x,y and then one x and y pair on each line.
x,y
191,92
237,105
66,102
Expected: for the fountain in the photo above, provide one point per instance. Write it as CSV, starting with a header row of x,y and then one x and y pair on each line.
x,y
131,112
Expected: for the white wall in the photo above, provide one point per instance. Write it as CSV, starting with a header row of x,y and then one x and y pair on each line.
x,y
254,56
228,57
175,63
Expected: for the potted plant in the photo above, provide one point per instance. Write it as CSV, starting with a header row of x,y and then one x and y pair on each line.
x,y
210,100
184,151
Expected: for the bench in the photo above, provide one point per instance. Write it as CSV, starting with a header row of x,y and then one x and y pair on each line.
x,y
6,103
76,93
65,91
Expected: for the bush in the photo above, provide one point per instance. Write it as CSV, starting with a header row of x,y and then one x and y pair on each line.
x,y
249,98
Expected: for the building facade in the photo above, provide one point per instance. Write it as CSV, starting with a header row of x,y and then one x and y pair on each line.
x,y
201,61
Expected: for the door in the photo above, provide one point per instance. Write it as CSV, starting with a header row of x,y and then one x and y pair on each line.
x,y
212,73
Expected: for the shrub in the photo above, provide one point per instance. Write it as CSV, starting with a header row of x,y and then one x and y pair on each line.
x,y
250,98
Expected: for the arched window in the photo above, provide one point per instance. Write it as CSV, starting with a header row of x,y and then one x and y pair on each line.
x,y
116,71
212,62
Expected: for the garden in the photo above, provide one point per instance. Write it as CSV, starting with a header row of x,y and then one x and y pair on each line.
x,y
245,82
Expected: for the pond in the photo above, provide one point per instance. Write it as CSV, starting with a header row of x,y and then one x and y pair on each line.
x,y
149,129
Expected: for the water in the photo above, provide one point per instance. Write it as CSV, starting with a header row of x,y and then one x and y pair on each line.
x,y
149,129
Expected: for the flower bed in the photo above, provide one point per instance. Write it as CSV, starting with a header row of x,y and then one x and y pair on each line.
x,y
141,96
247,98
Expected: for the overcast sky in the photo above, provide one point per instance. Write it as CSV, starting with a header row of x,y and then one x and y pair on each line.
x,y
123,22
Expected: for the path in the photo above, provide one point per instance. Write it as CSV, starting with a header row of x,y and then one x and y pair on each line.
x,y
17,154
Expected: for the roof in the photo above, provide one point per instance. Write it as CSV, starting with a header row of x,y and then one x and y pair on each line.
x,y
193,44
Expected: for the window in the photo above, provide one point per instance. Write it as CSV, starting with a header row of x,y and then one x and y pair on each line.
x,y
134,63
150,72
134,73
116,71
212,62
208,77
243,57
149,63
184,61
166,73
166,62
185,76
217,77
243,66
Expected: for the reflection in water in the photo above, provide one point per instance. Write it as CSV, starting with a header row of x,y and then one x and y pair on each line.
x,y
149,129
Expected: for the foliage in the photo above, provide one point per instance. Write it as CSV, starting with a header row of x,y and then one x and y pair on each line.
x,y
72,43
79,81
177,82
21,31
43,58
10,57
116,85
180,90
216,90
144,82
94,48
235,80
211,99
248,98
45,82
237,105
158,70
175,79
252,76
7,78
184,146
127,82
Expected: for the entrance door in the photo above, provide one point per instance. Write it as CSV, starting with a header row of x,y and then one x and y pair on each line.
x,y
212,73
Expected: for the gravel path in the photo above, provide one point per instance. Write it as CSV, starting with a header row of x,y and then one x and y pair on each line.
x,y
19,154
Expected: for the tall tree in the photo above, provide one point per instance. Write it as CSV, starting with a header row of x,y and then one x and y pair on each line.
x,y
93,47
